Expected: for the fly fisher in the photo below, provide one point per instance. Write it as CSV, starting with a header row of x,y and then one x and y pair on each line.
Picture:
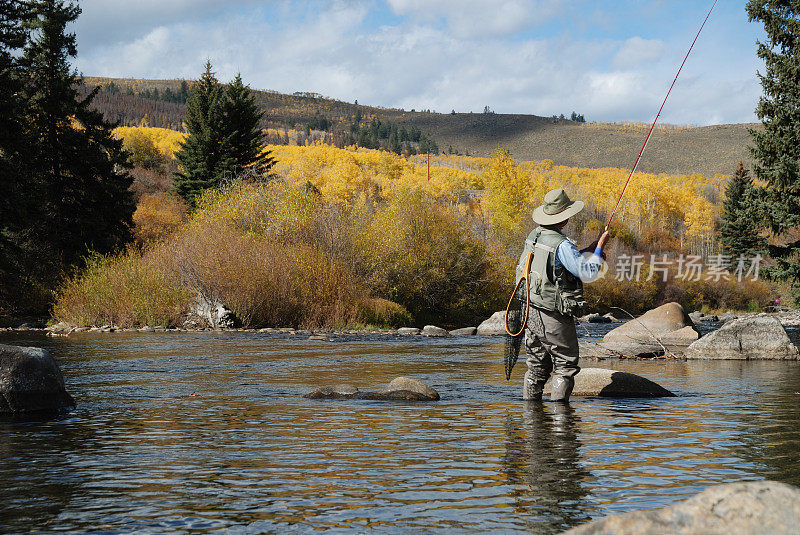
x,y
554,271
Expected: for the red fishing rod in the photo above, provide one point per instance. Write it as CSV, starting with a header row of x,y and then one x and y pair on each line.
x,y
652,126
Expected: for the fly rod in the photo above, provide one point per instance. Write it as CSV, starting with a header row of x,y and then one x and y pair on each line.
x,y
652,126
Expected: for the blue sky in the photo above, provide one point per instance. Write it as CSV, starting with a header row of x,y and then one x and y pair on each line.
x,y
611,61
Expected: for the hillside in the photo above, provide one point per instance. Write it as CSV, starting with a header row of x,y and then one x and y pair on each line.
x,y
706,150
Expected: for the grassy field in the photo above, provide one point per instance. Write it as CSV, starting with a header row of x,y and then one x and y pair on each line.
x,y
674,150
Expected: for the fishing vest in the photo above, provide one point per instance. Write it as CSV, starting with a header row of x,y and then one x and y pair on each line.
x,y
551,289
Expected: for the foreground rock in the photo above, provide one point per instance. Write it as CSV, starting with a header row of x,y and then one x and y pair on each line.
x,y
494,325
647,335
399,389
750,507
31,382
604,383
756,337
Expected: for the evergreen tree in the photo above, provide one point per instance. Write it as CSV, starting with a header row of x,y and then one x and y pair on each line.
x,y
13,200
243,132
203,157
739,228
776,148
81,182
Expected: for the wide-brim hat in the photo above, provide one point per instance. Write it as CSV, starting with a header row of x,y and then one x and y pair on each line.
x,y
556,208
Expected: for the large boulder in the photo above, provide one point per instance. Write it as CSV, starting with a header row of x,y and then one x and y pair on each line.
x,y
605,383
751,507
399,389
754,337
494,325
649,333
31,382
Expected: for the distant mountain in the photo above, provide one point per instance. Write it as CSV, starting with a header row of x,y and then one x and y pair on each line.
x,y
706,150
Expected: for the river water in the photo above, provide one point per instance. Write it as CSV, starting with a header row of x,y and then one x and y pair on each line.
x,y
178,432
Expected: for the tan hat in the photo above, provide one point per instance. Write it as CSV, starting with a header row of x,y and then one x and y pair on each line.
x,y
556,208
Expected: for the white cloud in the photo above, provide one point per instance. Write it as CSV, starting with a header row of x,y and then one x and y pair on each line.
x,y
471,18
419,64
636,51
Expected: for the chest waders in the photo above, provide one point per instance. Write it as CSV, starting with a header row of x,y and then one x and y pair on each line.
x,y
541,285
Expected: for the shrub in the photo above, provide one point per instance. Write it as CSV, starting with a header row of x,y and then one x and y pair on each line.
x,y
418,254
157,216
125,290
383,313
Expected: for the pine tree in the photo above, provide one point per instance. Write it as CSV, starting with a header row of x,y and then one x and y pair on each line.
x,y
13,200
81,183
776,148
739,232
243,132
203,158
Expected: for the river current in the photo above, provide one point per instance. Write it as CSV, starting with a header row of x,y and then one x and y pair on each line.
x,y
199,432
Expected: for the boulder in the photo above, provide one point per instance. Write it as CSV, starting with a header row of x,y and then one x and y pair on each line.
x,y
645,334
754,337
727,316
433,330
31,382
466,331
747,507
408,330
494,325
696,316
681,338
400,389
605,383
343,391
407,383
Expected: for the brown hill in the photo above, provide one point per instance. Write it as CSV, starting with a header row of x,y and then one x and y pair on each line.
x,y
706,150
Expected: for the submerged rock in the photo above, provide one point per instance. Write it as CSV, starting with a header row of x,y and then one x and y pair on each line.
x,y
747,507
31,381
399,389
748,338
648,333
494,325
605,383
343,391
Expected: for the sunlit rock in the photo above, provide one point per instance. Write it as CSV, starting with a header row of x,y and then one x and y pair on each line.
x,y
648,334
494,325
748,338
747,507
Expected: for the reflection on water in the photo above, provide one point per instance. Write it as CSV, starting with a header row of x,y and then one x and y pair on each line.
x,y
209,431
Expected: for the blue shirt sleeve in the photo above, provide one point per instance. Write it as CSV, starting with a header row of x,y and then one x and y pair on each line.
x,y
585,268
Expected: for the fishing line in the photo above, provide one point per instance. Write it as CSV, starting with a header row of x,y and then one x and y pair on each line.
x,y
652,126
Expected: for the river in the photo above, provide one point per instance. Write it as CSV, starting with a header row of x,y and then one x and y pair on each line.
x,y
178,432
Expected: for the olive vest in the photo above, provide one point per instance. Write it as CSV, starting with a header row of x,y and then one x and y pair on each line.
x,y
551,289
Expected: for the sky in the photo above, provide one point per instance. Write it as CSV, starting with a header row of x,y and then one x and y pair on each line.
x,y
610,61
